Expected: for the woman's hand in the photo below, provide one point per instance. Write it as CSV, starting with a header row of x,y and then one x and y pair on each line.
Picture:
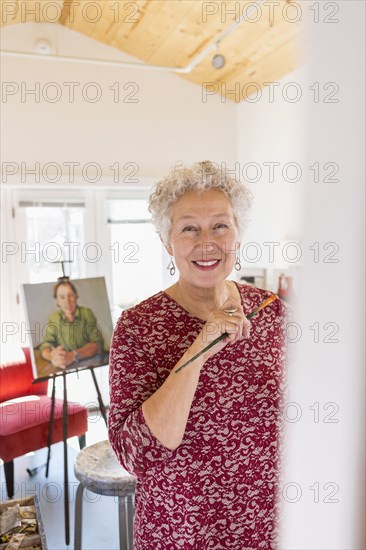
x,y
236,325
166,411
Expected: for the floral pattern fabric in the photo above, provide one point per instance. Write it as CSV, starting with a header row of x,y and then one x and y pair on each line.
x,y
219,489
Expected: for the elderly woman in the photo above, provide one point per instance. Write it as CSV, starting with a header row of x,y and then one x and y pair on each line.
x,y
72,333
203,441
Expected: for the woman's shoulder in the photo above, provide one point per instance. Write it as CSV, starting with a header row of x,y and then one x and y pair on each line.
x,y
148,304
145,311
252,293
146,321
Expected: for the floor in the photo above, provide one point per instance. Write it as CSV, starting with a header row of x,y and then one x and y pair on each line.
x,y
100,513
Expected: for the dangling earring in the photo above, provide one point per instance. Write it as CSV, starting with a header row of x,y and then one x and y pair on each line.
x,y
171,266
237,263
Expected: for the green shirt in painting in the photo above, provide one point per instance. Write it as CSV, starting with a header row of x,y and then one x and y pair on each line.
x,y
72,334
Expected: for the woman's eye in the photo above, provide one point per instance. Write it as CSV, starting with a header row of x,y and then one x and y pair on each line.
x,y
190,228
220,226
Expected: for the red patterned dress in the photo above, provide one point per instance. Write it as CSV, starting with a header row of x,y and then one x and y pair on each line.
x,y
218,489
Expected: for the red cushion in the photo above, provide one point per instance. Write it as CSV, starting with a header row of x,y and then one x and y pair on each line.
x,y
16,379
24,424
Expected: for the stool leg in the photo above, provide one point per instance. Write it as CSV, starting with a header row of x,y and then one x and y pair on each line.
x,y
125,505
78,527
82,441
122,514
130,514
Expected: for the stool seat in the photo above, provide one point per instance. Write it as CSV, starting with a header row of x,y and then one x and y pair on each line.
x,y
98,469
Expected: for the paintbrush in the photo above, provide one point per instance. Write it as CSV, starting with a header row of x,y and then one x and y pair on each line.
x,y
225,334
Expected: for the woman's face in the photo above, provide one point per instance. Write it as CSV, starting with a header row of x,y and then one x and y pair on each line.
x,y
66,299
204,237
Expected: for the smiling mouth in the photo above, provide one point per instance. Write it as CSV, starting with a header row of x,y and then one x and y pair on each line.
x,y
206,264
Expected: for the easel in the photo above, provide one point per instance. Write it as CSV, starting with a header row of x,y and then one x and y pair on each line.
x,y
65,420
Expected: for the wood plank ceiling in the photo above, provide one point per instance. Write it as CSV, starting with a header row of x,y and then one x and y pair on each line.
x,y
263,48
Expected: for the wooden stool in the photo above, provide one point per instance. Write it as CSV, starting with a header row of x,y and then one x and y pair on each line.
x,y
98,470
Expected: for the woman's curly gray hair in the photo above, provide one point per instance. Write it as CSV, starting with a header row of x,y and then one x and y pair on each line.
x,y
201,176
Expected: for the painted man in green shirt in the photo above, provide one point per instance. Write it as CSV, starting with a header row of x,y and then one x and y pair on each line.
x,y
72,333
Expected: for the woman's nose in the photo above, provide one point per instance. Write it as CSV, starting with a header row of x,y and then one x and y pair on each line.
x,y
208,247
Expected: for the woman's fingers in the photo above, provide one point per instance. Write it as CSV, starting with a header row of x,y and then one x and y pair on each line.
x,y
235,323
230,319
234,316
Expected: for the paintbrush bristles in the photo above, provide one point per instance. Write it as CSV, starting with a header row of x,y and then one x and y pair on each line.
x,y
268,301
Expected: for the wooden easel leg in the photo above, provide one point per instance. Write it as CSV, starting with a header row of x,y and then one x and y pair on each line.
x,y
9,477
50,429
100,400
66,472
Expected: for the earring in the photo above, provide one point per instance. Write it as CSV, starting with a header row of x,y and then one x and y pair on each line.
x,y
171,266
237,263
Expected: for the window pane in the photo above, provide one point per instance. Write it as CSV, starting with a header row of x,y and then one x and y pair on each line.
x,y
128,209
136,254
49,230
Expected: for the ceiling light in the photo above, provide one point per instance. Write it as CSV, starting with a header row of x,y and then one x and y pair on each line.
x,y
218,61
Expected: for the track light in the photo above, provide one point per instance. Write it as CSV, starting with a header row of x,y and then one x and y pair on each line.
x,y
218,61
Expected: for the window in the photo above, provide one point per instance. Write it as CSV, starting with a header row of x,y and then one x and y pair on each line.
x,y
136,253
54,232
133,260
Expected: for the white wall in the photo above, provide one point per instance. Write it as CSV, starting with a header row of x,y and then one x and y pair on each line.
x,y
325,466
169,122
271,132
272,129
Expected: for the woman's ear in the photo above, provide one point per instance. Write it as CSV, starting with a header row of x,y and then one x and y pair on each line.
x,y
167,247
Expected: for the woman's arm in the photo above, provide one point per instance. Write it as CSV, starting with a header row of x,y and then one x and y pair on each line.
x,y
147,420
166,411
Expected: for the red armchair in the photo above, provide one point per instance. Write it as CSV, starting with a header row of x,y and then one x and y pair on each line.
x,y
25,414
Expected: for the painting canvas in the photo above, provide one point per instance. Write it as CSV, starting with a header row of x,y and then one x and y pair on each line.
x,y
69,323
